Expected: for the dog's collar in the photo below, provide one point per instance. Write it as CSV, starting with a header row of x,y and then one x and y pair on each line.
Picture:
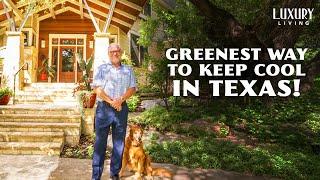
x,y
135,145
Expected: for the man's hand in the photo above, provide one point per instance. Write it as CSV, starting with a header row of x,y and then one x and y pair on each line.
x,y
117,104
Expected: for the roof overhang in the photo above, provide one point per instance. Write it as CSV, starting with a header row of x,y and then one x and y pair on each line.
x,y
122,13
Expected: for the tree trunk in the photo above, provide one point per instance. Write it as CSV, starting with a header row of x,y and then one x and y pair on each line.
x,y
312,70
223,24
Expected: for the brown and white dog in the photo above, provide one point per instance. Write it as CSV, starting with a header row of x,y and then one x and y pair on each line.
x,y
135,159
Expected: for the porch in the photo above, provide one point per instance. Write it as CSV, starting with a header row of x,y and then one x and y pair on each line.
x,y
52,35
46,115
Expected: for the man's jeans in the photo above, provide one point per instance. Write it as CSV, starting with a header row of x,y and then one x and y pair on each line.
x,y
107,116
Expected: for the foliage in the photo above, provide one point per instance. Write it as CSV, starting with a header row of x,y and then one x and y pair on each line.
x,y
162,119
125,59
148,89
154,136
179,27
90,150
46,68
85,67
209,153
286,133
245,12
313,122
133,103
83,150
36,5
5,91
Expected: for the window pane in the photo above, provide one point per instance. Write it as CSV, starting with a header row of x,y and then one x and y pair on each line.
x,y
80,42
80,51
134,49
147,9
67,60
68,42
55,41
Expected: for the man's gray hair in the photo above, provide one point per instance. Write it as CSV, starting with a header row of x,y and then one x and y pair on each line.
x,y
112,45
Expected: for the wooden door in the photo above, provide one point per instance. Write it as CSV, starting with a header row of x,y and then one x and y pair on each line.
x,y
67,64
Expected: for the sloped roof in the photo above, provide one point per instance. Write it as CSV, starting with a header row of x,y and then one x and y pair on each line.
x,y
124,14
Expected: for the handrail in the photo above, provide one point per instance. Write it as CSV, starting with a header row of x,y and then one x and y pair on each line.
x,y
14,80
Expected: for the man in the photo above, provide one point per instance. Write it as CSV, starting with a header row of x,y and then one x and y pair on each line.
x,y
114,83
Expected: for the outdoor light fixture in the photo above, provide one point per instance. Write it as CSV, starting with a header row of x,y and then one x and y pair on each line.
x,y
43,44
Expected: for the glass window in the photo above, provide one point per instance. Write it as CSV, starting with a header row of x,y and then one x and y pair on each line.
x,y
147,9
68,42
26,37
80,51
67,60
137,51
55,41
80,42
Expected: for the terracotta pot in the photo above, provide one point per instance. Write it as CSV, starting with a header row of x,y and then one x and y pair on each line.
x,y
5,100
43,76
89,101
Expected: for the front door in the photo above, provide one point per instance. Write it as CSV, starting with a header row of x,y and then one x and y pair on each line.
x,y
67,64
62,51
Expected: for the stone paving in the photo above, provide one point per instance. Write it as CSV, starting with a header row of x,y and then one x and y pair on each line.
x,y
36,167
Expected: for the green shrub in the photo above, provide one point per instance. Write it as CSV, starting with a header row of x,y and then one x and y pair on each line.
x,y
154,136
5,91
148,89
133,103
90,150
193,131
313,122
163,119
210,154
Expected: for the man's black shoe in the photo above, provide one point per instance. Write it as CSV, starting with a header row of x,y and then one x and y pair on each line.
x,y
115,177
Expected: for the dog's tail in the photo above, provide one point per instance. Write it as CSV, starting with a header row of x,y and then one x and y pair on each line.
x,y
162,172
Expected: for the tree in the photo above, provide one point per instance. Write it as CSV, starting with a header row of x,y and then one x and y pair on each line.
x,y
265,33
218,23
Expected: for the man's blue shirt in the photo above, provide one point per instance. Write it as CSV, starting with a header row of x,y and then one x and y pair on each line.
x,y
114,81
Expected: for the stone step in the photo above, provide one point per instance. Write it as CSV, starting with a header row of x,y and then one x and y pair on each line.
x,y
71,130
45,98
38,126
44,94
45,101
52,109
46,90
40,118
39,102
57,136
52,85
39,148
48,99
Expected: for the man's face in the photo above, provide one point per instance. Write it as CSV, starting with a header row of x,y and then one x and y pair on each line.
x,y
114,54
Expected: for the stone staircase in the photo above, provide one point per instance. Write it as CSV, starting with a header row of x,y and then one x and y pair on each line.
x,y
44,119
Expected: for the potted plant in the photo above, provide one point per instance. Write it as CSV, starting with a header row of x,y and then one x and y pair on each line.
x,y
5,92
85,93
46,70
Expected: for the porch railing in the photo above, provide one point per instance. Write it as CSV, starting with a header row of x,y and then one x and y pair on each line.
x,y
24,67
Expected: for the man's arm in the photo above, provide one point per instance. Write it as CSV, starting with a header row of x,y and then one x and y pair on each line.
x,y
131,91
103,95
118,102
